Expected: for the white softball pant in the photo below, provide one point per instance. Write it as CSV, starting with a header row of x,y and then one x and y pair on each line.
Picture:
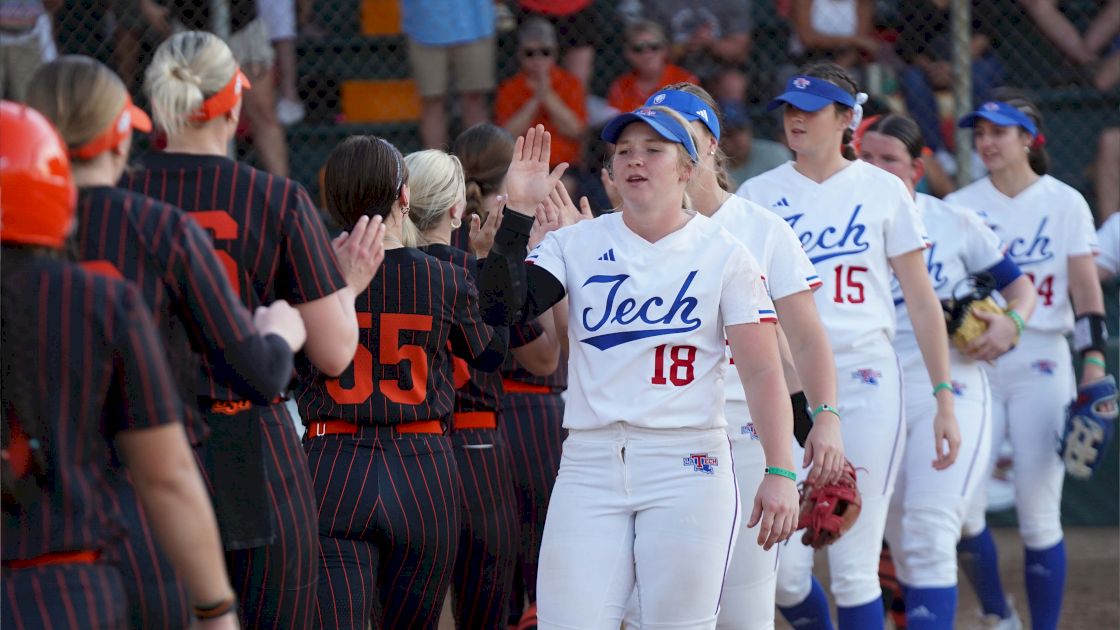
x,y
658,509
748,589
928,506
1031,386
869,388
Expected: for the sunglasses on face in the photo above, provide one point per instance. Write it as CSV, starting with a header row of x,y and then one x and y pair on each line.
x,y
642,47
536,52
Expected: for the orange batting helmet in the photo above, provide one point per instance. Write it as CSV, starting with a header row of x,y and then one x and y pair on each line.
x,y
37,194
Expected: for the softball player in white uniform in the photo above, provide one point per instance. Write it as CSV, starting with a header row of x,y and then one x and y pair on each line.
x,y
646,490
928,504
857,223
748,589
1047,229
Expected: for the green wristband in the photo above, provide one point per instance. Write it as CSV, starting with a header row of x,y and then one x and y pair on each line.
x,y
822,408
1018,319
781,472
1094,361
940,386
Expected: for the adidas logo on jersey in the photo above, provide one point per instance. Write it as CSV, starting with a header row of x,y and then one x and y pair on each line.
x,y
608,255
781,203
920,612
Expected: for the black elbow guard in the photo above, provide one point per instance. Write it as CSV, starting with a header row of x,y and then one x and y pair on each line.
x,y
802,422
1089,333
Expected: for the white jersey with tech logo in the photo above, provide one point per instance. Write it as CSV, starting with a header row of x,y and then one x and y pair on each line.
x,y
849,225
1109,239
773,244
960,245
646,320
1040,228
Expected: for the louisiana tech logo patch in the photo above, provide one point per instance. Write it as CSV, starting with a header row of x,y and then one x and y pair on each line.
x,y
867,376
749,430
701,462
1045,366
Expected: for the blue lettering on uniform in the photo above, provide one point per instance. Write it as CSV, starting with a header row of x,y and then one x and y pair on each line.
x,y
825,245
935,268
628,311
1037,251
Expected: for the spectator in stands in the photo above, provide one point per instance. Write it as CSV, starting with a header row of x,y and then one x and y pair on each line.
x,y
646,50
840,31
450,38
26,42
710,38
747,155
577,23
925,45
543,93
1098,51
248,40
1106,183
280,18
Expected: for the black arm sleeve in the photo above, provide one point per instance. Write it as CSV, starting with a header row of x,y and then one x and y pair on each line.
x,y
257,367
494,355
511,291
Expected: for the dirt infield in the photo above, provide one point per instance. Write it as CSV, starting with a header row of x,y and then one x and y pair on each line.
x,y
1092,582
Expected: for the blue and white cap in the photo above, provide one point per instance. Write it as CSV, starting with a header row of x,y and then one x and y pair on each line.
x,y
810,94
688,105
663,123
1001,114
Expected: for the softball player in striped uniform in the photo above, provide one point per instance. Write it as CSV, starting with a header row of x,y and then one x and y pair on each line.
x,y
273,245
928,504
484,567
748,590
1047,229
205,329
533,376
82,374
645,495
858,224
386,483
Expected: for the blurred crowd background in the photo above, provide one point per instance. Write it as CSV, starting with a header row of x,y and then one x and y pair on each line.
x,y
419,71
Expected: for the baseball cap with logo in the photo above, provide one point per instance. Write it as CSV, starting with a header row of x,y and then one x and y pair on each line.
x,y
1001,114
688,105
811,94
663,123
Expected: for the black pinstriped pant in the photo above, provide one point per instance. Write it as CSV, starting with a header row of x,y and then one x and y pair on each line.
x,y
273,569
532,428
484,567
388,527
88,596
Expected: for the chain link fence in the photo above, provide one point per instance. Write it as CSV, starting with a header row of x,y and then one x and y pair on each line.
x,y
346,66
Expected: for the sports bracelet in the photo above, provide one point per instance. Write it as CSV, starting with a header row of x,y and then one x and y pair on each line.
x,y
824,407
214,611
781,472
1018,319
1095,361
940,386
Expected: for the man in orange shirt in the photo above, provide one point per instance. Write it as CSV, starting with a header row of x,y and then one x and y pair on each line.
x,y
647,53
543,93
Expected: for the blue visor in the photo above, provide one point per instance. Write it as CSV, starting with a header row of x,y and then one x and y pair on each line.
x,y
810,94
1001,114
688,105
663,123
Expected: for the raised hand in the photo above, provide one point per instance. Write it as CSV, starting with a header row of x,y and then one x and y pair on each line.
x,y
482,232
528,180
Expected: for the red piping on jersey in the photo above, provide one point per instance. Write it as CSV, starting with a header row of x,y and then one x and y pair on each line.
x,y
476,420
58,557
